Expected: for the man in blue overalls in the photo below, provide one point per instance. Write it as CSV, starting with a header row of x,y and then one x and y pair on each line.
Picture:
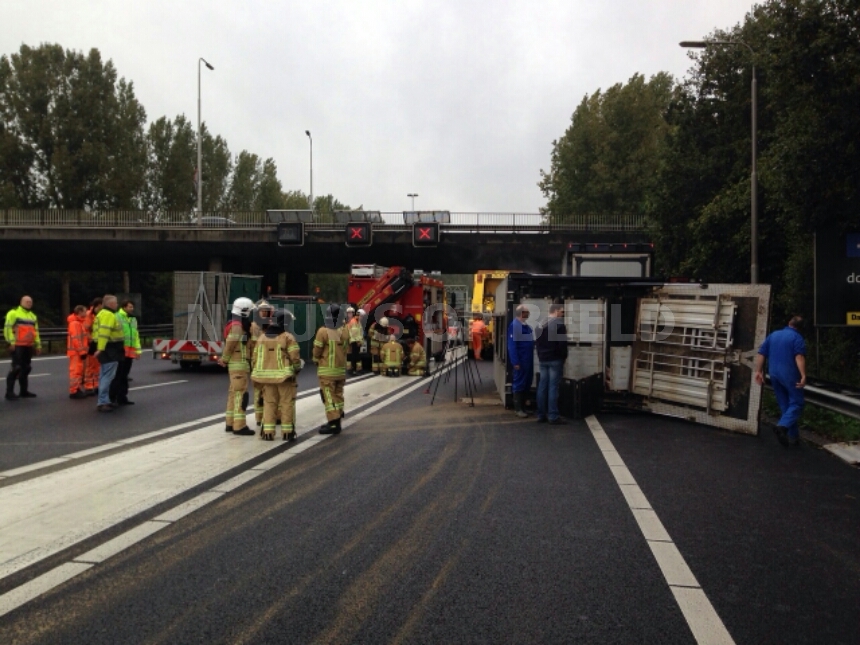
x,y
521,349
785,351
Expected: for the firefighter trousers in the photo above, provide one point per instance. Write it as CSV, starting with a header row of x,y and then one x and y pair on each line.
x,y
235,415
77,364
332,394
279,402
258,403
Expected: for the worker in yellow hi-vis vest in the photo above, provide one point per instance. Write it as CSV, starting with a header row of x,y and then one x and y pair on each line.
x,y
329,354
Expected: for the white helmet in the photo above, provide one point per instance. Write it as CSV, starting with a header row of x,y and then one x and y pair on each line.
x,y
362,312
350,310
383,321
243,306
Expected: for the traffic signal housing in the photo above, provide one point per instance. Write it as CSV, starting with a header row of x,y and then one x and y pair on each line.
x,y
359,234
425,234
291,234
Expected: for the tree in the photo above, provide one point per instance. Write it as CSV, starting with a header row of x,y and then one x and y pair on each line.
x,y
604,164
71,133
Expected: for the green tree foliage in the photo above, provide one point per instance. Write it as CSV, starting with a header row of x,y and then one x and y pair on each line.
x,y
71,134
605,163
255,185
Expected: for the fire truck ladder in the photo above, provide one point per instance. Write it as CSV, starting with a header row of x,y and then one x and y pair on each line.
x,y
387,289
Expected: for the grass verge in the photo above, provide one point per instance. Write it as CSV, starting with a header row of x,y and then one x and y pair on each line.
x,y
826,423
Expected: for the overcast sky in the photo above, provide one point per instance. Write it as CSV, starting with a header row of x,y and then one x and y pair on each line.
x,y
458,101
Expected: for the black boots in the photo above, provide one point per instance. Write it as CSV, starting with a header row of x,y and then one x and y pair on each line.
x,y
518,405
332,427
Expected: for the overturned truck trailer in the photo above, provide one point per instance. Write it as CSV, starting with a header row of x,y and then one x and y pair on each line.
x,y
682,350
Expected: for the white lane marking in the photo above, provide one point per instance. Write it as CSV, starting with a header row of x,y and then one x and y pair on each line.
x,y
39,359
127,442
64,572
178,512
702,618
42,464
37,586
120,542
38,375
146,387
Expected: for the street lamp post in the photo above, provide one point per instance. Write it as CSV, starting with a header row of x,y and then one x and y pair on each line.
x,y
413,196
701,44
200,148
311,139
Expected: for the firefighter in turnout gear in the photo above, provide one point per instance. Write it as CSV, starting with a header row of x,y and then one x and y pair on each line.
x,y
356,336
77,345
236,359
22,333
377,334
392,357
330,344
276,365
263,316
91,366
417,359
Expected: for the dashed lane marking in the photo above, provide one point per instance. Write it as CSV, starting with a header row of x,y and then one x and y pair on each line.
x,y
702,618
146,387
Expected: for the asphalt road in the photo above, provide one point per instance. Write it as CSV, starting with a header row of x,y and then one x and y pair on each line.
x,y
52,425
452,524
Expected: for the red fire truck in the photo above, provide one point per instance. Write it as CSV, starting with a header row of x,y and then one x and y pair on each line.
x,y
413,302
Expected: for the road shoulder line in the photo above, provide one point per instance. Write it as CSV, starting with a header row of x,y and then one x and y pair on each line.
x,y
701,617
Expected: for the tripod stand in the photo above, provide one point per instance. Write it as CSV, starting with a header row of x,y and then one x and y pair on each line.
x,y
454,357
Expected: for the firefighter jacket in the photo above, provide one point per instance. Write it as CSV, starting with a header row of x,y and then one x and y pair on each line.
x,y
77,339
236,348
22,328
354,330
378,335
109,329
417,360
330,346
276,358
392,354
131,338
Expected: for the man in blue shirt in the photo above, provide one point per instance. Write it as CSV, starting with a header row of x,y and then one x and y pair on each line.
x,y
785,351
521,349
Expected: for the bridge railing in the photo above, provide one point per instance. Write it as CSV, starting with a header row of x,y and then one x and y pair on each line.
x,y
77,218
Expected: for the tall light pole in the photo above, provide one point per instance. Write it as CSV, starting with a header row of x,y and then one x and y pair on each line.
x,y
200,148
701,44
311,139
413,196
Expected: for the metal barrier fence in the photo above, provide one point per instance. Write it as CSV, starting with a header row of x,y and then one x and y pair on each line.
x,y
54,338
57,218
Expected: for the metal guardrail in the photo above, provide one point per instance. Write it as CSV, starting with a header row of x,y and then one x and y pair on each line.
x,y
57,218
55,337
831,396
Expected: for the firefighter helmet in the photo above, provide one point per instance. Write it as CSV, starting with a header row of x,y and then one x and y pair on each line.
x,y
243,306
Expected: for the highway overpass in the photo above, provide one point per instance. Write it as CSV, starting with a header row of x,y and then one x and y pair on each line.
x,y
247,242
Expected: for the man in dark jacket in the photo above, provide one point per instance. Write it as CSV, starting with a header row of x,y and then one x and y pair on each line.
x,y
551,346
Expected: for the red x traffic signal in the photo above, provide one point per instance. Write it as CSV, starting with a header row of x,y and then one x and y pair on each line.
x,y
425,234
359,234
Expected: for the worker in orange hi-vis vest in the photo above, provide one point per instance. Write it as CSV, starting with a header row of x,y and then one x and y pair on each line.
x,y
478,332
77,345
92,367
